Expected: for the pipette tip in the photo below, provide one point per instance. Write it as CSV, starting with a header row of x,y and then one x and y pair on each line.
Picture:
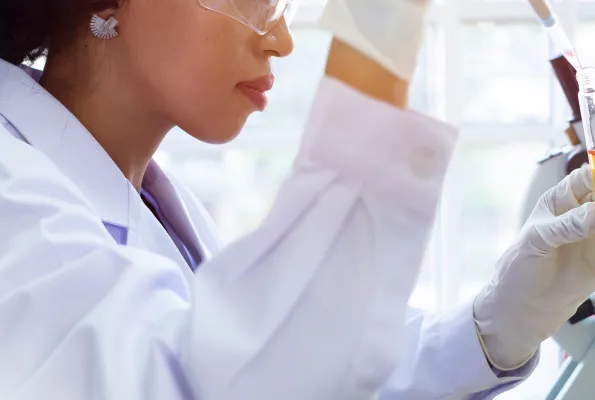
x,y
570,55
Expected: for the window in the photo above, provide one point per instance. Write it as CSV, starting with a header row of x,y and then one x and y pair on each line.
x,y
483,67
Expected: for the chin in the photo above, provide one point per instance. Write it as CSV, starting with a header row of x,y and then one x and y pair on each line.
x,y
217,133
218,139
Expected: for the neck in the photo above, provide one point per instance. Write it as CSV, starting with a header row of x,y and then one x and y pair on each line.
x,y
120,120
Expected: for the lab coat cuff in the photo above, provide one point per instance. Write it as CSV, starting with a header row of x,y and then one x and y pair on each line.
x,y
460,340
401,152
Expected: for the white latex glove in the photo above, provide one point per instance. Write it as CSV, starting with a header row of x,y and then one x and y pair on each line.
x,y
389,32
543,277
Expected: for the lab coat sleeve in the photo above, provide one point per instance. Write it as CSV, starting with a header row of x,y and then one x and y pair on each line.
x,y
321,294
443,359
310,305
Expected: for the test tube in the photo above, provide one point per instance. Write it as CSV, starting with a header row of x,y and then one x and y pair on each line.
x,y
586,97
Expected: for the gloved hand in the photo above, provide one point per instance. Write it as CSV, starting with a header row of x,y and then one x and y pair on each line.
x,y
389,32
543,277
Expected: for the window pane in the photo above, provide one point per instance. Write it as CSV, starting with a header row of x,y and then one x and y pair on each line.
x,y
504,74
585,42
236,187
298,76
420,84
493,182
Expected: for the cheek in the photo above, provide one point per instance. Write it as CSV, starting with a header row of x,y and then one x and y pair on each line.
x,y
213,116
200,93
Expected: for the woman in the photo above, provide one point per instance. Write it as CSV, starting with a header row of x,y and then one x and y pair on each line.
x,y
112,285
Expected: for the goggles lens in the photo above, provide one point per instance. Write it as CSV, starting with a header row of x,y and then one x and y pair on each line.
x,y
259,15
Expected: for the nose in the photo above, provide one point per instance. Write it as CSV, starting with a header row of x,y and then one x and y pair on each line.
x,y
278,42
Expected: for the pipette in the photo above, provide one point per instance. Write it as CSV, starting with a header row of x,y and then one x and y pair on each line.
x,y
556,32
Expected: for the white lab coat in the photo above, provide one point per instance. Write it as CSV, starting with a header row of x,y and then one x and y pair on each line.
x,y
312,305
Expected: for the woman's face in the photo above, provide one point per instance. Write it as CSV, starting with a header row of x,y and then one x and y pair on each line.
x,y
193,66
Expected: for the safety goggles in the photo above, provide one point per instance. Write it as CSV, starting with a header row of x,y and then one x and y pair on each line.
x,y
259,15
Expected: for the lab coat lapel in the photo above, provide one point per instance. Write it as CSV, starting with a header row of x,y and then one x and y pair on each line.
x,y
202,222
48,126
174,210
146,231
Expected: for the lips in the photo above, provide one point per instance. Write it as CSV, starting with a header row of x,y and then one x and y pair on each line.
x,y
255,90
262,84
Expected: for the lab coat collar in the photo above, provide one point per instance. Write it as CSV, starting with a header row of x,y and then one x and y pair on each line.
x,y
48,126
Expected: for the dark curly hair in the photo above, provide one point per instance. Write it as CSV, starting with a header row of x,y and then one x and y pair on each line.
x,y
29,28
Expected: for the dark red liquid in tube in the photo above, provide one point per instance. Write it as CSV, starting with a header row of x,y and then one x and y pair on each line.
x,y
566,75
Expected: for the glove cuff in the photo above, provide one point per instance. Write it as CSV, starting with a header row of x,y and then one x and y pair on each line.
x,y
501,360
505,347
393,42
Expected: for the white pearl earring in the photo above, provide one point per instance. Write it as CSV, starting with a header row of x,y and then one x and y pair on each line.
x,y
103,29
